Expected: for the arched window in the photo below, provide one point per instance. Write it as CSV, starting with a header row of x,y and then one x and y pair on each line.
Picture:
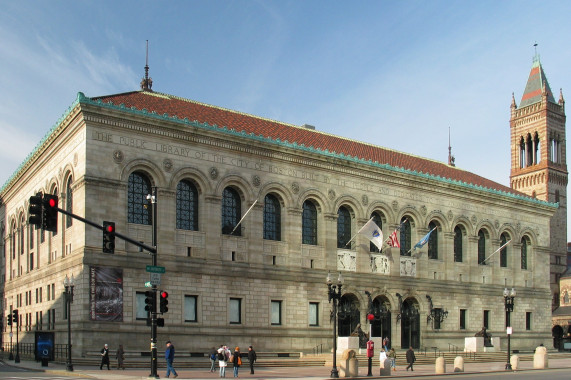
x,y
13,240
524,245
343,227
433,241
503,252
481,247
55,192
458,249
231,212
521,153
68,203
379,222
309,223
21,235
138,188
272,218
186,206
405,237
31,236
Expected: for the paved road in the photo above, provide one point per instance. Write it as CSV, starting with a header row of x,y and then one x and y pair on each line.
x,y
559,369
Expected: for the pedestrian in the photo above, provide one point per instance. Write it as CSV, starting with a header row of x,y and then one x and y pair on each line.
x,y
384,344
382,359
213,354
169,356
393,358
410,358
222,360
387,344
236,361
104,357
120,357
251,358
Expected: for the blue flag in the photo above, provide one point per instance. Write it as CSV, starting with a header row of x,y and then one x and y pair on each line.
x,y
424,240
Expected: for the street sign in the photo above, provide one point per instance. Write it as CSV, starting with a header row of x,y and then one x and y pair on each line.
x,y
155,279
155,269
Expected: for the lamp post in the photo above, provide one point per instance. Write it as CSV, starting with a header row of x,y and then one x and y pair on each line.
x,y
335,295
68,284
509,304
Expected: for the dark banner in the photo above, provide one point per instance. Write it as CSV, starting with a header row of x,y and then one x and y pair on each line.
x,y
106,294
44,345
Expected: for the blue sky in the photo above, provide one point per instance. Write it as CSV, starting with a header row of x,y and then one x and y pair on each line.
x,y
398,74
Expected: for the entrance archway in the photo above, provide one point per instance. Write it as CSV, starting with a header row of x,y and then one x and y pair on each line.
x,y
381,324
410,324
348,314
557,333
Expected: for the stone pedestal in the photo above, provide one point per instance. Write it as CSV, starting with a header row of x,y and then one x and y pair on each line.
x,y
385,367
440,365
514,361
540,359
476,344
349,365
458,364
348,343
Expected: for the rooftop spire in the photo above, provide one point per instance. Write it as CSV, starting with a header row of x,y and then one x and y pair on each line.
x,y
537,85
451,158
146,82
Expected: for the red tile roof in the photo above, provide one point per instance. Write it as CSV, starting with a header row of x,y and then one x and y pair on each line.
x,y
203,113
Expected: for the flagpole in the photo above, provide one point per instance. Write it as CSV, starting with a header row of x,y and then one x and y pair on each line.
x,y
421,239
496,251
354,236
396,229
256,201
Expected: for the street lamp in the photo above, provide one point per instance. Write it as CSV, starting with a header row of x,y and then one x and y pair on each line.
x,y
68,284
335,295
509,304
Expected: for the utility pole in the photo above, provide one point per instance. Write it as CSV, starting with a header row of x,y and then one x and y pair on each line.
x,y
153,198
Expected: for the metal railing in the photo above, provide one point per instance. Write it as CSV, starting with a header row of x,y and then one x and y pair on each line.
x,y
317,349
28,350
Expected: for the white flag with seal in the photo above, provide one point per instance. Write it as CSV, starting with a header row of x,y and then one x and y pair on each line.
x,y
373,233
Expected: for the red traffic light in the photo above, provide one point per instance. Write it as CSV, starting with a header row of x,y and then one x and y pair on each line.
x,y
370,317
52,202
164,295
110,228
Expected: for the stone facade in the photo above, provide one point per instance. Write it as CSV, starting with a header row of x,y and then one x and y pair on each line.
x,y
242,290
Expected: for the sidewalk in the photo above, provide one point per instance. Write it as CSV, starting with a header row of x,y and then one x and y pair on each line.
x,y
279,373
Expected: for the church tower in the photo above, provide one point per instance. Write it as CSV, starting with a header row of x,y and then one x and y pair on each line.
x,y
538,159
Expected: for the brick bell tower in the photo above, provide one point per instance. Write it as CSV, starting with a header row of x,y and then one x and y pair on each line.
x,y
538,159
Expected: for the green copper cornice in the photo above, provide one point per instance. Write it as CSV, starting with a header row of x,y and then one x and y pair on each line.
x,y
82,99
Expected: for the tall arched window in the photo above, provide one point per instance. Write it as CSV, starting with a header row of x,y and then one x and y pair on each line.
x,y
272,218
186,206
521,153
231,212
309,223
524,244
139,187
481,247
433,241
13,240
68,203
343,227
21,235
458,253
379,222
55,192
405,237
503,252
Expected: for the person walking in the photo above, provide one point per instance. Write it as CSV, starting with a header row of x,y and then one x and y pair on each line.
x,y
236,361
410,358
213,355
393,358
104,357
222,360
169,356
251,358
120,357
382,359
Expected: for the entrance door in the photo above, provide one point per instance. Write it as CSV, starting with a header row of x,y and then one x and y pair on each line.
x,y
348,315
381,326
410,325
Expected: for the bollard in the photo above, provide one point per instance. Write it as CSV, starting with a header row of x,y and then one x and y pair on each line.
x,y
348,364
540,360
514,361
440,365
458,364
353,367
385,367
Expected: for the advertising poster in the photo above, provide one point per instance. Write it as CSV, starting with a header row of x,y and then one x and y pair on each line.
x,y
106,294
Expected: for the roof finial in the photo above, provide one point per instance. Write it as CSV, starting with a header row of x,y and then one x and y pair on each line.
x,y
451,158
536,56
147,83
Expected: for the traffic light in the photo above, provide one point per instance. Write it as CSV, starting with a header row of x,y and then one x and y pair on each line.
x,y
164,302
160,322
9,320
108,237
36,210
50,211
15,316
150,301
